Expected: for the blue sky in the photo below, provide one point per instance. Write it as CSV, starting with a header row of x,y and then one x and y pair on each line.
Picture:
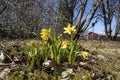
x,y
98,28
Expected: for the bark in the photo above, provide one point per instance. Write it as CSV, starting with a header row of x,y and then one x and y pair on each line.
x,y
109,31
77,34
3,6
104,17
117,29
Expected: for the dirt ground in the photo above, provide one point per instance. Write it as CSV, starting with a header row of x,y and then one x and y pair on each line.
x,y
106,62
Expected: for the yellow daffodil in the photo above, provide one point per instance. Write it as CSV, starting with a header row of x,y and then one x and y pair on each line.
x,y
85,54
44,33
64,45
69,29
33,43
44,36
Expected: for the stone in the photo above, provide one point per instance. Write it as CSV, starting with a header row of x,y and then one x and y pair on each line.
x,y
47,63
101,57
4,72
2,57
83,63
64,75
69,70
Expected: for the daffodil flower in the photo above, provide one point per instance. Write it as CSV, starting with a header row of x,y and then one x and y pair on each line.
x,y
33,43
69,29
44,36
64,45
85,54
44,33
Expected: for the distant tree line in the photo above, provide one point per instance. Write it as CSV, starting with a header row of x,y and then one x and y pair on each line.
x,y
20,18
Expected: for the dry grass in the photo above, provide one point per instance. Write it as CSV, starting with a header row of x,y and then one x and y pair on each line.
x,y
109,49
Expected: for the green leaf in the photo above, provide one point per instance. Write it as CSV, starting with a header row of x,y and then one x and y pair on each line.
x,y
35,51
71,52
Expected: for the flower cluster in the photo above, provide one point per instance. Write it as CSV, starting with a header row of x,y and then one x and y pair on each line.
x,y
56,48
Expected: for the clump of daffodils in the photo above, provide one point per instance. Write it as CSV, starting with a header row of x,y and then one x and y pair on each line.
x,y
57,48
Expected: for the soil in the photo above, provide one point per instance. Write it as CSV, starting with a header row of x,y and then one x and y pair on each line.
x,y
102,64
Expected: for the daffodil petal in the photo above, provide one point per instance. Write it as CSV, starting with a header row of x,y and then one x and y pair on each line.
x,y
64,45
85,54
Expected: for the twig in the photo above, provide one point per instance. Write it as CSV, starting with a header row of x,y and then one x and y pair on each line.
x,y
4,64
9,57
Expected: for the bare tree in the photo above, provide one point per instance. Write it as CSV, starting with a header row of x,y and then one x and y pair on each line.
x,y
30,16
109,10
22,17
79,13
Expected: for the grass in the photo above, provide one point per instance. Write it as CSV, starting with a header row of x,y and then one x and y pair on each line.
x,y
109,49
109,68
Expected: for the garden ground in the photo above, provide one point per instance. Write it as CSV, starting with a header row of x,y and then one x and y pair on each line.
x,y
103,62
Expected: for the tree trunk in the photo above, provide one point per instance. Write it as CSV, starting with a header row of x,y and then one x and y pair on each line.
x,y
109,31
117,30
107,20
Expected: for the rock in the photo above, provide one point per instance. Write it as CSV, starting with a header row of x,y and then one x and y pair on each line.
x,y
69,70
83,63
4,72
52,66
65,75
47,63
85,66
101,57
2,57
83,77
